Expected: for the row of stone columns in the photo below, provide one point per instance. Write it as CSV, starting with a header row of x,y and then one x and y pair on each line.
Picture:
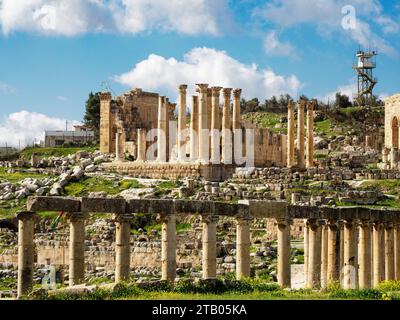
x,y
122,248
359,254
300,134
210,136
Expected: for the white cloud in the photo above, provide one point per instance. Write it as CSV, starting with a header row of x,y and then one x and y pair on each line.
x,y
274,47
24,127
6,88
74,17
207,65
327,16
349,90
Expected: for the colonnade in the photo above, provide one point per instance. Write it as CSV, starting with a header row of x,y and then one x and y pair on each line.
x,y
210,135
358,253
309,146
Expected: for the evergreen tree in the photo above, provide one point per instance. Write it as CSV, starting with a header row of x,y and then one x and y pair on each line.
x,y
92,112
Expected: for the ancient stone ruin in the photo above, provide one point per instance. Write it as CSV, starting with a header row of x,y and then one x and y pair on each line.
x,y
211,145
356,245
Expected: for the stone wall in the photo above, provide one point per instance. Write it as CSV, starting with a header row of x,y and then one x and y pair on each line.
x,y
392,110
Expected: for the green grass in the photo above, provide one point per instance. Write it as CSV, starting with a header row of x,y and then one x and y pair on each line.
x,y
7,210
247,289
267,120
98,184
56,151
19,175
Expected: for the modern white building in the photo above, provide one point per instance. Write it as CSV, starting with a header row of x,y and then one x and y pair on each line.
x,y
80,134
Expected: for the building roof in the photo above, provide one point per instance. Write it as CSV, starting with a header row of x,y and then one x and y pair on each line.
x,y
69,133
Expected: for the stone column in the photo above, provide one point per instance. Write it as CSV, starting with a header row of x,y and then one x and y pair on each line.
x,y
168,247
105,122
26,252
236,122
306,246
209,254
365,257
194,129
300,133
385,155
389,251
290,135
284,273
226,157
341,255
119,152
122,247
209,107
203,125
350,255
141,145
242,248
215,125
378,253
333,269
324,256
76,247
162,130
397,251
182,122
310,135
393,157
314,254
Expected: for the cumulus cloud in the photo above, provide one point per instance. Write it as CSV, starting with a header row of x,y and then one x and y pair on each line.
x,y
274,47
207,65
349,90
25,127
327,17
74,17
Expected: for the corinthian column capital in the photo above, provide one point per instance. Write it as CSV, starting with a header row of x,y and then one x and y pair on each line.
x,y
227,92
202,87
237,93
216,91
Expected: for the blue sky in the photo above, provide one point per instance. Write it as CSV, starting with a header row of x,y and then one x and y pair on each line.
x,y
54,52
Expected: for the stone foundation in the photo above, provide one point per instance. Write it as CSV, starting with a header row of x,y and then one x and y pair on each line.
x,y
168,170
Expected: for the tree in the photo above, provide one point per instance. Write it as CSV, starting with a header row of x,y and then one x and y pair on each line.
x,y
92,113
342,101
